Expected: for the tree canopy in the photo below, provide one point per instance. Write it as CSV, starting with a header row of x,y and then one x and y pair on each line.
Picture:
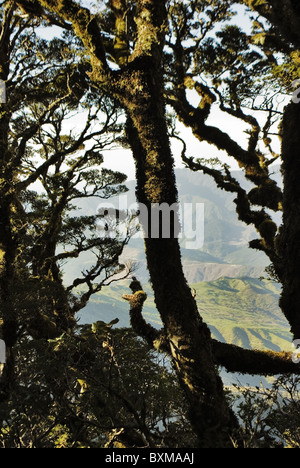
x,y
125,65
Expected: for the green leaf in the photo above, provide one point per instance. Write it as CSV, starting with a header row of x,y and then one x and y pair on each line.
x,y
99,327
102,328
83,384
259,39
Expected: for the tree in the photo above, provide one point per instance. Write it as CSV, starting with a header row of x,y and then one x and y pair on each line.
x,y
244,76
84,390
38,232
64,385
284,18
231,65
133,36
269,420
138,88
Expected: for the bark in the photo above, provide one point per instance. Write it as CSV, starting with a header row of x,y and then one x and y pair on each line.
x,y
255,362
281,245
138,87
290,242
285,16
8,245
265,194
187,335
8,279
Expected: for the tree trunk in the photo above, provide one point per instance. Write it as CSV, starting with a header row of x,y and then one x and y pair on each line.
x,y
138,86
290,243
8,314
8,246
188,336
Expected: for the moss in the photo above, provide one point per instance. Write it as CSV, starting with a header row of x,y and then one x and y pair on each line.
x,y
139,88
245,361
86,28
139,297
2,255
268,230
267,193
290,238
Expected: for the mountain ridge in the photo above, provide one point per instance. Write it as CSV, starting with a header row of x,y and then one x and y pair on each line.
x,y
224,272
242,311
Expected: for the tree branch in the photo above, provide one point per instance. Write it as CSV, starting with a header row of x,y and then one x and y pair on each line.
x,y
33,7
284,14
233,358
261,220
153,337
245,361
86,27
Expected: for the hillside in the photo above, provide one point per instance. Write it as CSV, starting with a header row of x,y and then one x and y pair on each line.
x,y
225,251
243,311
238,307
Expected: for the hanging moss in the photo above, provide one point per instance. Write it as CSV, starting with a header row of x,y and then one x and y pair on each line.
x,y
255,362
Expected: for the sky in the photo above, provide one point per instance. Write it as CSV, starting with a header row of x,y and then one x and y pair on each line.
x,y
122,160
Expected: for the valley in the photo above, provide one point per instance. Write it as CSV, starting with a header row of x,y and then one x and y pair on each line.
x,y
243,311
239,306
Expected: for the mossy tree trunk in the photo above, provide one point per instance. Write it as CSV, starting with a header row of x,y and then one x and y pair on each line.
x,y
283,14
8,245
285,19
138,87
290,243
188,336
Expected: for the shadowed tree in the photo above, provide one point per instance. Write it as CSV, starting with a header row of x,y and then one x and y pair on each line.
x,y
123,52
46,169
138,87
245,75
284,37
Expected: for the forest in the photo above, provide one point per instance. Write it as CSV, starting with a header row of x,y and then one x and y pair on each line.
x,y
214,87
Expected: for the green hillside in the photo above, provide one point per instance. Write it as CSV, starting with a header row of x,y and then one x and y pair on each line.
x,y
243,311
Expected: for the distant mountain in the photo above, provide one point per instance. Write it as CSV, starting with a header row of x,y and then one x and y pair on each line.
x,y
225,250
238,307
225,237
242,311
245,312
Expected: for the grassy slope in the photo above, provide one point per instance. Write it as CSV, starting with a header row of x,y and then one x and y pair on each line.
x,y
242,311
245,312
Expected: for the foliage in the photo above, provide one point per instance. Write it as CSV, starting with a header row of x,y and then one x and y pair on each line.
x,y
47,167
65,387
270,416
97,388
